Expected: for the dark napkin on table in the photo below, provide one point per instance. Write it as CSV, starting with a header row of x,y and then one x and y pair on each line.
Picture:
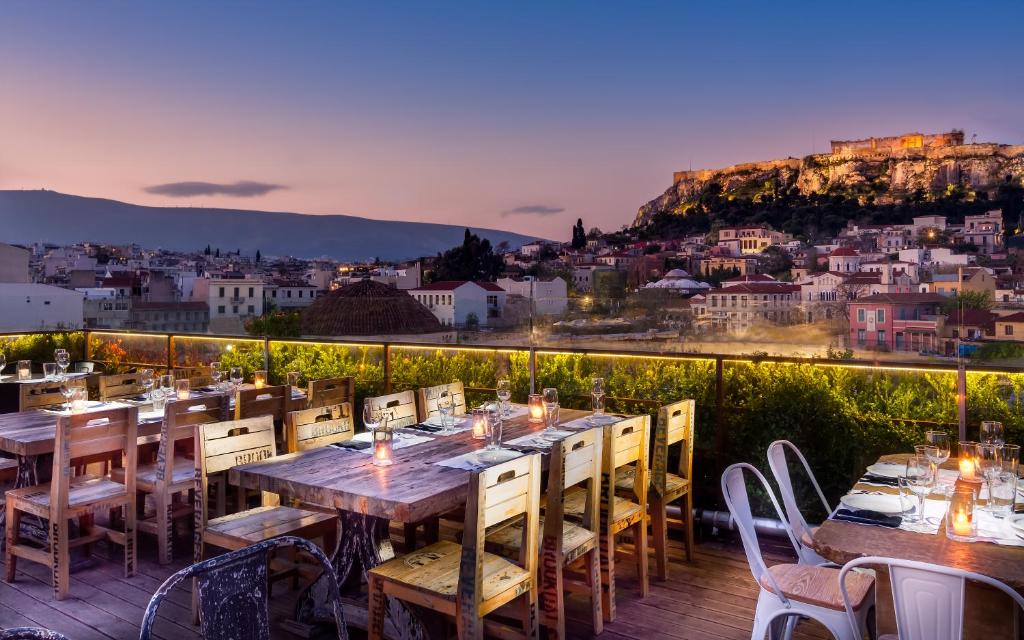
x,y
138,398
864,516
429,428
873,479
357,445
207,389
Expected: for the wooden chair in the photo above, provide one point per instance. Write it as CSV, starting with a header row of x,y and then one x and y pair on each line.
x,y
427,398
124,385
272,401
624,451
66,497
465,582
400,407
173,474
575,462
674,426
319,427
331,391
45,393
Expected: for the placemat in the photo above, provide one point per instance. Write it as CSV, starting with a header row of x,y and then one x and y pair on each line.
x,y
401,441
474,461
536,440
462,423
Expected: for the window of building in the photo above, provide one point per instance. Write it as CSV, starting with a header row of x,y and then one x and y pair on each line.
x,y
880,315
1008,329
222,292
860,315
860,337
881,337
234,309
221,309
289,293
236,292
252,309
250,292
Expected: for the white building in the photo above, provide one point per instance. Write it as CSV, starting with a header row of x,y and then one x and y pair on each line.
x,y
288,294
14,264
844,260
406,278
583,277
458,302
549,297
31,307
231,301
103,308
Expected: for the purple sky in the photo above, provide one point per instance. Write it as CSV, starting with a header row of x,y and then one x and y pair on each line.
x,y
521,116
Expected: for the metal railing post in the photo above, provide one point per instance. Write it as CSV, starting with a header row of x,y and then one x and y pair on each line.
x,y
266,354
720,439
387,368
961,399
532,363
170,353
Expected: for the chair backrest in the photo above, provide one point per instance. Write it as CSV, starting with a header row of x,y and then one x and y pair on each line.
x,y
122,385
45,393
497,494
85,366
233,594
331,391
318,427
734,489
196,382
400,408
427,398
180,419
269,401
780,469
30,633
625,444
575,461
675,425
222,445
88,435
187,373
928,598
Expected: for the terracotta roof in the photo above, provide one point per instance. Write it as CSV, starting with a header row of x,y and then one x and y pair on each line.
x,y
971,317
903,298
753,277
451,285
843,251
1013,317
367,308
490,286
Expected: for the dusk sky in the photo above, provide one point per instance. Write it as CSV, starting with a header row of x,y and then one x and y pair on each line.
x,y
521,116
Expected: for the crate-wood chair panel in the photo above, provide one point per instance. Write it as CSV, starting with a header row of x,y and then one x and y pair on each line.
x,y
319,427
45,393
124,385
273,401
399,407
427,398
332,391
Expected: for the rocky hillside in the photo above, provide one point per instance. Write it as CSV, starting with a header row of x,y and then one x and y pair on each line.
x,y
871,175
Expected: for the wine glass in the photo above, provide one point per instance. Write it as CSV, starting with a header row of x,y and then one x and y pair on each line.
x,y
992,432
597,395
167,385
446,407
371,417
504,395
990,462
3,361
147,382
63,360
921,478
216,374
236,377
67,390
939,440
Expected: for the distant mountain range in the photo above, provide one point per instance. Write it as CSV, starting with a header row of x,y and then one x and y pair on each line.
x,y
48,216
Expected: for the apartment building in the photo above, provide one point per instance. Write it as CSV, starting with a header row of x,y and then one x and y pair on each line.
x,y
457,303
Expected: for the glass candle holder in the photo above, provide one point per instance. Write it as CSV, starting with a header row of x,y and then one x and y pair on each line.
x,y
535,405
79,399
293,380
181,388
967,460
383,447
479,424
259,379
960,524
24,369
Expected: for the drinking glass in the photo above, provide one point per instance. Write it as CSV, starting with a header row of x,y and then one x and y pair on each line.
x,y
446,407
552,424
63,359
1002,487
939,440
24,369
3,361
505,395
597,395
181,389
908,502
236,377
147,382
50,370
159,399
215,374
927,451
992,432
371,417
921,478
989,463
67,389
293,381
167,385
493,430
79,399
550,395
1011,458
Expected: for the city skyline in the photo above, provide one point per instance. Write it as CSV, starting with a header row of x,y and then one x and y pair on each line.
x,y
522,119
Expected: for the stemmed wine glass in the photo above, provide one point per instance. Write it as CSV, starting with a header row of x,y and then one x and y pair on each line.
x,y
446,407
504,395
371,416
597,395
147,383
921,478
216,374
235,375
939,440
63,360
550,395
992,432
990,462
167,385
67,390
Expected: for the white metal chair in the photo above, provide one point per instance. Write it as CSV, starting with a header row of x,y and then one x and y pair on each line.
x,y
928,598
790,590
804,532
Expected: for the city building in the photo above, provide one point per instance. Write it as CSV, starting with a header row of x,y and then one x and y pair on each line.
x,y
725,264
231,301
743,305
103,308
751,239
459,303
970,279
896,321
1010,327
29,306
14,263
549,297
286,294
368,310
176,317
984,231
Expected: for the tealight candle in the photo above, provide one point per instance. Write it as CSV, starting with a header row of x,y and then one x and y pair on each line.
x,y
182,389
967,461
967,469
383,447
24,369
960,516
479,425
535,404
961,524
260,379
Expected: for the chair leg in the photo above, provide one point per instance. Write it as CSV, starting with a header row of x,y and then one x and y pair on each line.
x,y
594,581
130,548
378,603
607,551
640,547
659,534
410,536
60,556
531,628
199,555
688,519
164,527
552,594
13,528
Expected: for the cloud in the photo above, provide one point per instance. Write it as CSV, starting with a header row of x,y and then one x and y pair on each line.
x,y
240,189
533,210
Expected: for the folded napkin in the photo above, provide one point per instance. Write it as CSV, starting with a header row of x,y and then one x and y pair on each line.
x,y
353,445
864,516
871,478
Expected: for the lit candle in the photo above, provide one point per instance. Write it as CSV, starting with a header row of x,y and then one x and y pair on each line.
x,y
961,524
24,369
536,407
967,469
181,386
260,379
479,425
383,447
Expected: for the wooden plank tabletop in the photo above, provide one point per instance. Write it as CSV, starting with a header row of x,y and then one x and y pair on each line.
x,y
32,432
413,489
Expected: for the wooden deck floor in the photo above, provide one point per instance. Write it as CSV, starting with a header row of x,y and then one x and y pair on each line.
x,y
710,598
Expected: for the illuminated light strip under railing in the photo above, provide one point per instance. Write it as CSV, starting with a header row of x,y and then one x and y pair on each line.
x,y
431,347
215,339
645,356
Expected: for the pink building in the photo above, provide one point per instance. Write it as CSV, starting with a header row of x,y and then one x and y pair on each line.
x,y
896,321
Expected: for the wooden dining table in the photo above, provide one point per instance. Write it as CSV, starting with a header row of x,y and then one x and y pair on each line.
x,y
10,389
988,613
369,498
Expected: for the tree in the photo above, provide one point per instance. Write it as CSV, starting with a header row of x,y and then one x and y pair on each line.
x,y
777,262
969,300
276,324
579,236
474,259
207,251
258,256
217,253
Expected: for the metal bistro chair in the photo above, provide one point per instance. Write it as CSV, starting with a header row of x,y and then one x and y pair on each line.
x,y
233,592
30,633
780,470
928,598
791,590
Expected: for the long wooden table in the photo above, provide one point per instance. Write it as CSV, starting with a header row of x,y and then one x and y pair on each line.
x,y
988,613
368,498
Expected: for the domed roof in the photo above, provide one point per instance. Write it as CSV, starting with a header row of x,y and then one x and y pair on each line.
x,y
367,308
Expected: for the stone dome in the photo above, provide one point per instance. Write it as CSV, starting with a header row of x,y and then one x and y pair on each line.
x,y
367,308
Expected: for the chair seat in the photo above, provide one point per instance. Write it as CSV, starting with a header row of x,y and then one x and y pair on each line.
x,y
624,509
263,523
807,537
434,569
83,491
819,586
145,476
510,538
674,485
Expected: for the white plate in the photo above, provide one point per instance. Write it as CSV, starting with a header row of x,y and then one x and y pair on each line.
x,y
889,505
435,421
491,456
1017,522
602,420
887,469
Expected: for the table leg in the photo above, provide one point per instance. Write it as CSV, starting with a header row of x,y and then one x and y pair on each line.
x,y
365,543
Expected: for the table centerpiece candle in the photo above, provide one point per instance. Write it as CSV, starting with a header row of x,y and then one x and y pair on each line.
x,y
24,369
479,424
960,523
383,447
182,389
535,405
260,379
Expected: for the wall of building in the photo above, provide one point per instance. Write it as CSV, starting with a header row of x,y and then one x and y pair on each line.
x,y
14,264
27,307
